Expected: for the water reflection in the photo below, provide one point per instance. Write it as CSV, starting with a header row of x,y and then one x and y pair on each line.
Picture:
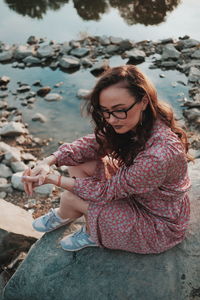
x,y
34,9
147,12
90,9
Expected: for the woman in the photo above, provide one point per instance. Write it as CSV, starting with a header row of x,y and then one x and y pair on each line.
x,y
129,179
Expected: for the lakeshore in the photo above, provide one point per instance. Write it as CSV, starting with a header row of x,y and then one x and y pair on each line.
x,y
20,148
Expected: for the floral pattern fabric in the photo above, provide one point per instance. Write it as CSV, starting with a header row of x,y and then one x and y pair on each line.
x,y
143,208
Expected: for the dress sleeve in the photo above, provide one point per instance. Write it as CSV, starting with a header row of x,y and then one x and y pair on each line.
x,y
80,151
146,174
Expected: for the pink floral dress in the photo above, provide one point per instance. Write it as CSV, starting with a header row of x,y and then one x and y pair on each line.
x,y
143,208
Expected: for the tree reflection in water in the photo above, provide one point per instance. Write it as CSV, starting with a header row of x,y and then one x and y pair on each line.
x,y
90,9
35,9
147,12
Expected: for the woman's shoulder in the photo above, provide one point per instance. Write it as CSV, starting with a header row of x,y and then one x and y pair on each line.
x,y
163,142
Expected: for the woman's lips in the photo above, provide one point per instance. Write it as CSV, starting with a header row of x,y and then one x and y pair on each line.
x,y
117,127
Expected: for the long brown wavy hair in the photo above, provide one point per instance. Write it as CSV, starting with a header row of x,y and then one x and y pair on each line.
x,y
125,147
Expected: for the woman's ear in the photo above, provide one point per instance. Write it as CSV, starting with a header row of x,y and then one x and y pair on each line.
x,y
145,101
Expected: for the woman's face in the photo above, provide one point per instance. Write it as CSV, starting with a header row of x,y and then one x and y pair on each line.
x,y
115,98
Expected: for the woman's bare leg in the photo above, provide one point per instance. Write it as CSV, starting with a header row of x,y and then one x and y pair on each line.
x,y
72,206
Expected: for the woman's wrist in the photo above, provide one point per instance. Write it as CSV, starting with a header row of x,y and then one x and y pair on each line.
x,y
50,160
60,181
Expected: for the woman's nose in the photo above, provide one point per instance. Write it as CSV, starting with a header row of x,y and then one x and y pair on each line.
x,y
112,119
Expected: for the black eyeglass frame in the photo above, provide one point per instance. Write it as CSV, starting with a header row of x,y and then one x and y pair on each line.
x,y
101,112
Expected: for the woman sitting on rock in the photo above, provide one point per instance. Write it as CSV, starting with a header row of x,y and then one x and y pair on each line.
x,y
129,179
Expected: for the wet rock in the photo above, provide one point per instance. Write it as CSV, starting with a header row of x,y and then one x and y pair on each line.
x,y
104,40
2,196
32,40
168,64
66,48
37,83
75,44
13,129
4,80
100,67
5,171
21,65
170,52
167,41
135,56
196,54
31,100
83,94
23,51
23,89
188,43
194,75
53,97
79,52
43,91
3,95
3,104
45,51
6,56
126,45
115,40
192,114
69,62
86,62
39,117
111,49
31,60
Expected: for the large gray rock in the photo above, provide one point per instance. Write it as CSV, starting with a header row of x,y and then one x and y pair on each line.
x,y
69,62
23,51
12,129
170,52
95,273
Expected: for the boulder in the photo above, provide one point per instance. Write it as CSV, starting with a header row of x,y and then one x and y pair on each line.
x,y
79,52
6,56
135,56
69,62
170,52
23,51
53,97
39,117
96,273
45,51
12,129
194,75
100,67
16,181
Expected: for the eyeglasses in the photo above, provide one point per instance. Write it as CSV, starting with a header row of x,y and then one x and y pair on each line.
x,y
119,114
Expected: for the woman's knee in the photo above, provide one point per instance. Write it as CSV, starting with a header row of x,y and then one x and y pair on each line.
x,y
83,170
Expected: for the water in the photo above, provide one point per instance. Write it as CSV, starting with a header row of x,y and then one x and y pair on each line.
x,y
66,20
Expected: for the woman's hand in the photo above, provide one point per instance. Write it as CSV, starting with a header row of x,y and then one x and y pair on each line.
x,y
37,175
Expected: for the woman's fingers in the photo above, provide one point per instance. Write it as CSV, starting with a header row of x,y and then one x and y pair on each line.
x,y
26,188
29,179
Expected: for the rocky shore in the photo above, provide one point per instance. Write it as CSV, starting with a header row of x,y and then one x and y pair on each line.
x,y
19,148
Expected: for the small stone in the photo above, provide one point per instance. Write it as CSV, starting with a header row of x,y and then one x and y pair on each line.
x,y
4,80
23,89
161,75
43,91
28,157
79,52
53,97
5,171
18,166
39,117
69,62
82,94
12,129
